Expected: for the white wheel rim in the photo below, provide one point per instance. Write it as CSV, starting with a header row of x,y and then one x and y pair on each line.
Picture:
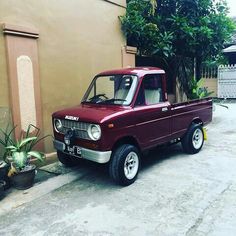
x,y
131,165
197,139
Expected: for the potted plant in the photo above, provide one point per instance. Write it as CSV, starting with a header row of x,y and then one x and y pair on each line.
x,y
19,155
4,168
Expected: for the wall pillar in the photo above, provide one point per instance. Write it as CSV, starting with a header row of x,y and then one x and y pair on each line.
x,y
128,56
23,73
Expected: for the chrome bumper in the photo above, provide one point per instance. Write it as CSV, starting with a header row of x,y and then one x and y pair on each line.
x,y
88,154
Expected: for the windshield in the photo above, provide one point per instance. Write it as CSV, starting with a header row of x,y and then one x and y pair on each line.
x,y
114,89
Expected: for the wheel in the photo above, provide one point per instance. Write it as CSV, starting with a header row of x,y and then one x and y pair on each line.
x,y
124,164
67,160
193,140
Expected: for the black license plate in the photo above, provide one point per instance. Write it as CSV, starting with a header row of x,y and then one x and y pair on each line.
x,y
73,150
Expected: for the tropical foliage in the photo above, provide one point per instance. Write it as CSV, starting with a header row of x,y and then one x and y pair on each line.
x,y
183,33
197,89
5,140
18,153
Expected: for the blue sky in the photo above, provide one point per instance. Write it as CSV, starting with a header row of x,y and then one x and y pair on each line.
x,y
232,7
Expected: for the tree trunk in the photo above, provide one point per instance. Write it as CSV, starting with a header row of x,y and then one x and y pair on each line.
x,y
198,69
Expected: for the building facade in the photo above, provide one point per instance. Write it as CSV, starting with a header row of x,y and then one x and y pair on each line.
x,y
50,51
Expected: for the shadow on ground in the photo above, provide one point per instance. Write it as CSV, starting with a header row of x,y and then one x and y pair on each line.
x,y
99,173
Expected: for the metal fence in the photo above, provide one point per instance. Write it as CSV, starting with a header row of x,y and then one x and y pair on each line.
x,y
209,73
227,81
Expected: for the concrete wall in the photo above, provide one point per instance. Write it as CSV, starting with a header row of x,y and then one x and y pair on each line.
x,y
77,39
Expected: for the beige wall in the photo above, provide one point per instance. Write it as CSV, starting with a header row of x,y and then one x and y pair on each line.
x,y
120,2
212,85
4,98
128,56
5,117
77,39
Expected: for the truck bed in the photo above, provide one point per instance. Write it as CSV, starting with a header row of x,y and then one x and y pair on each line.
x,y
185,112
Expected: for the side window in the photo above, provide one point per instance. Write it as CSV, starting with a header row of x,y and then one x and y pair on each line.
x,y
151,91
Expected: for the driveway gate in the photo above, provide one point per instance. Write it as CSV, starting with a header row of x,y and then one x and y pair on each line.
x,y
227,81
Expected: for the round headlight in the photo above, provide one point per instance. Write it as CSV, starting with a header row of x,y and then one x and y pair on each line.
x,y
58,125
94,132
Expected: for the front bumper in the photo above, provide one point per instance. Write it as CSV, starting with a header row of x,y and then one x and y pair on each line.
x,y
88,154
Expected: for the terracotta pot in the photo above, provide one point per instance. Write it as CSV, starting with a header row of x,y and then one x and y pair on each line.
x,y
24,179
3,176
2,184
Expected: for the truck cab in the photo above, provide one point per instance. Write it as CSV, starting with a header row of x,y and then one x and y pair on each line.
x,y
122,114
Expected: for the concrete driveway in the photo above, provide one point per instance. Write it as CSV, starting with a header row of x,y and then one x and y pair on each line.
x,y
175,194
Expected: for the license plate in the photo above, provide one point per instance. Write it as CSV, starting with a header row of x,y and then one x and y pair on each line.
x,y
73,150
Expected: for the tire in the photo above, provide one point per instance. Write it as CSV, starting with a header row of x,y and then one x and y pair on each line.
x,y
124,165
193,140
67,160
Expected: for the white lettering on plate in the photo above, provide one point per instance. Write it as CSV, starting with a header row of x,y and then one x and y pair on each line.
x,y
72,118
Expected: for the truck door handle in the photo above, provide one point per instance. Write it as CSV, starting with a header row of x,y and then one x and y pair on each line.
x,y
164,109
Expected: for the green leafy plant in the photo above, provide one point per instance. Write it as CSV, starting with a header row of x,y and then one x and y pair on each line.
x,y
197,90
19,153
168,31
6,140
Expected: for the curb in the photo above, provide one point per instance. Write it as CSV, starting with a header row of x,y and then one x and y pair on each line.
x,y
18,198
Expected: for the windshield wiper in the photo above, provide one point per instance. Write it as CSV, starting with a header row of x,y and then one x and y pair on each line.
x,y
114,100
98,96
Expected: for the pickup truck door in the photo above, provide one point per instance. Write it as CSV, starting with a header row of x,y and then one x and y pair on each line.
x,y
152,113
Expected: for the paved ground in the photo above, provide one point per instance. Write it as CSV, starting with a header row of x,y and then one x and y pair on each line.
x,y
175,194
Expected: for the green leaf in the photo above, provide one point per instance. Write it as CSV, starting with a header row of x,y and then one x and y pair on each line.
x,y
3,143
25,141
7,136
38,155
11,148
165,53
20,159
33,128
200,83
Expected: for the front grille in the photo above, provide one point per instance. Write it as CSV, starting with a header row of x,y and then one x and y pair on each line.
x,y
80,128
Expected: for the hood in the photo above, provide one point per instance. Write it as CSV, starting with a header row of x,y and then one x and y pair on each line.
x,y
91,113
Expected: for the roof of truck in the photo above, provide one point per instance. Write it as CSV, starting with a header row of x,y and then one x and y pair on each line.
x,y
140,71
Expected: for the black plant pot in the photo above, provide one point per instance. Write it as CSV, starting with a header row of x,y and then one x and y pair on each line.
x,y
24,179
3,176
2,185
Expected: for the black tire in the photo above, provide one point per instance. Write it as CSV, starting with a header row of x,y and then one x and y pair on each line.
x,y
117,164
188,140
67,160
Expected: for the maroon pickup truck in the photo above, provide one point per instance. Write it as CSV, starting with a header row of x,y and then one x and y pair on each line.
x,y
122,114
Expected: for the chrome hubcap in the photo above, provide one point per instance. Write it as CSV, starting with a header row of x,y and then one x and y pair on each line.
x,y
131,165
197,138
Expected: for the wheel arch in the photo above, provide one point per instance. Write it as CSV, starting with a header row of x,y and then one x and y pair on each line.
x,y
197,120
126,140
